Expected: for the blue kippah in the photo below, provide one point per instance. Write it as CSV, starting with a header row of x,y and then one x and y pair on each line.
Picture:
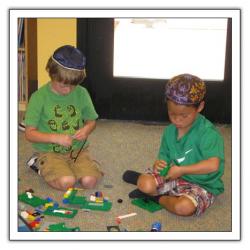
x,y
69,57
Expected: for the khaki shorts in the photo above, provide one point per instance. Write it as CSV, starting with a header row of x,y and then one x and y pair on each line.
x,y
54,165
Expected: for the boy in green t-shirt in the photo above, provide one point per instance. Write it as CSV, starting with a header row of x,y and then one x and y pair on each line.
x,y
191,152
59,118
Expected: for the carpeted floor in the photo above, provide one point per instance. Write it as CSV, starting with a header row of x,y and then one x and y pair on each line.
x,y
119,146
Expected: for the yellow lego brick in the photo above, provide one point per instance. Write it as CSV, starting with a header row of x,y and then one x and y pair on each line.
x,y
98,200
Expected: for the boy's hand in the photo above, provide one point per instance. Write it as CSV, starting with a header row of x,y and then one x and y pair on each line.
x,y
175,172
80,135
159,165
63,140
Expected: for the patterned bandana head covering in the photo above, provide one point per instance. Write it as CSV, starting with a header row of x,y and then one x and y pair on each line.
x,y
185,89
69,57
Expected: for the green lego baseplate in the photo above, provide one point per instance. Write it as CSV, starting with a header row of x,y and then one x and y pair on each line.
x,y
147,204
72,199
34,201
102,206
60,227
68,212
78,200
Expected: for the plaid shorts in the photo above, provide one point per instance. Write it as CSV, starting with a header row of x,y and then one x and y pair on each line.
x,y
201,198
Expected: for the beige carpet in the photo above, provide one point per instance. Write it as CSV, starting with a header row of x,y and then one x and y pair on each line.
x,y
119,146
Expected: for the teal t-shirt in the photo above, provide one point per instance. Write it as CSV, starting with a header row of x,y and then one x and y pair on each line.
x,y
53,113
201,142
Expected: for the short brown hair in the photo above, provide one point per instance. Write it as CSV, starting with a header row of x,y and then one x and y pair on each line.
x,y
61,74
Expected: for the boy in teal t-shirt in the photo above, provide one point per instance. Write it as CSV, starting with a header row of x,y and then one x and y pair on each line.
x,y
191,148
59,118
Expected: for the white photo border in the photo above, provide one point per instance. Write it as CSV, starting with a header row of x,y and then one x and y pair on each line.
x,y
235,14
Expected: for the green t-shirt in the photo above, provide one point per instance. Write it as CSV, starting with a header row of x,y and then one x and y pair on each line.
x,y
53,113
201,142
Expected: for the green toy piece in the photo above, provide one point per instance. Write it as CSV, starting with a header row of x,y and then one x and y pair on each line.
x,y
53,211
146,204
34,201
78,200
61,212
164,171
73,199
72,195
60,227
102,206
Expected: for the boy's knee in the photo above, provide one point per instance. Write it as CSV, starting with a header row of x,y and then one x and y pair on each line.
x,y
184,207
146,183
88,182
66,182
